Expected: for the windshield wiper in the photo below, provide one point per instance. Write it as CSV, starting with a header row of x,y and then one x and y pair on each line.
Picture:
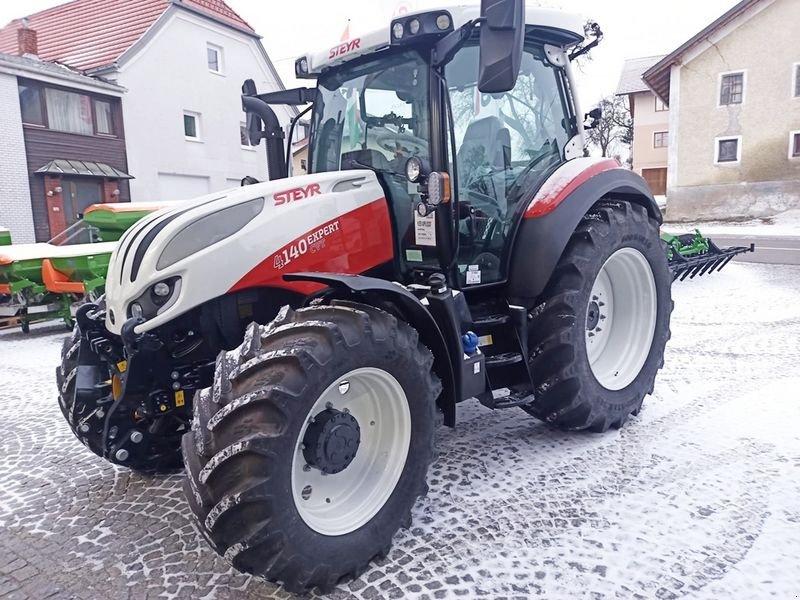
x,y
352,162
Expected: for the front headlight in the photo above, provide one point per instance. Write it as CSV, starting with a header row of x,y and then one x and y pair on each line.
x,y
208,231
156,299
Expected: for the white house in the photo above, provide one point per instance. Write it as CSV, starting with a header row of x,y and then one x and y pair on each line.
x,y
182,63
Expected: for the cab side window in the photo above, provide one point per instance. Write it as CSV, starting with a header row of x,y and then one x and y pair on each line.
x,y
501,141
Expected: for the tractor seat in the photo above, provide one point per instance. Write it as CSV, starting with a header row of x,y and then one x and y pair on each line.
x,y
486,147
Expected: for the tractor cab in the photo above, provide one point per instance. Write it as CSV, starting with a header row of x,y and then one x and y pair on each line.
x,y
459,114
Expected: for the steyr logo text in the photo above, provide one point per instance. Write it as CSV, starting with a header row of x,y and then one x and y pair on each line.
x,y
296,194
345,48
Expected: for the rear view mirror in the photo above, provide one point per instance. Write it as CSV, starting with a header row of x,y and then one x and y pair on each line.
x,y
502,38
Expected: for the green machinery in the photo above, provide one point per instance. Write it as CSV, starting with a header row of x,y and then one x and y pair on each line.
x,y
48,281
36,287
5,237
694,255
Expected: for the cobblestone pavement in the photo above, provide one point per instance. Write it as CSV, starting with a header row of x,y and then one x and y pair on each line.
x,y
698,497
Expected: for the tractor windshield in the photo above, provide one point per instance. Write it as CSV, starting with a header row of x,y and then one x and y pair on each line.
x,y
372,114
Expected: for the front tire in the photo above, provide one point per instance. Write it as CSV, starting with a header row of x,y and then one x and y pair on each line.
x,y
599,332
313,445
87,418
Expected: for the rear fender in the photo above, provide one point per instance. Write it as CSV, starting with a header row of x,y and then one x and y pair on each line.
x,y
554,213
413,312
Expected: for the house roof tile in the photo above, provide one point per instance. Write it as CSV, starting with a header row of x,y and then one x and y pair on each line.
x,y
87,34
631,80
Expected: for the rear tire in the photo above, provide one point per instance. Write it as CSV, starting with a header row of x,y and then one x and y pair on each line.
x,y
259,507
592,365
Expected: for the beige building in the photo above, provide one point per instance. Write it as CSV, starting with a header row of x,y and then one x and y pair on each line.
x,y
734,120
650,124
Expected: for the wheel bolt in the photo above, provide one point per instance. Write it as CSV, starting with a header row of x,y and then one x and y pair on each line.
x,y
137,436
121,455
306,468
84,428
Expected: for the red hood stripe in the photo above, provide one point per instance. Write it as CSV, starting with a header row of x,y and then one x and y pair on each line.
x,y
351,243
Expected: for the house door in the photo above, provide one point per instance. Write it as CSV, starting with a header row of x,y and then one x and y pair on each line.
x,y
657,180
79,194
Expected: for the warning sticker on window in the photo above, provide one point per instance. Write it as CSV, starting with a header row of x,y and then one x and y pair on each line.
x,y
473,275
425,229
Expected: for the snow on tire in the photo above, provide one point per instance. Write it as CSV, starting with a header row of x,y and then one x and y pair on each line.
x,y
308,453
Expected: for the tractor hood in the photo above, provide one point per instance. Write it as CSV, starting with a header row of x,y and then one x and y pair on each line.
x,y
177,259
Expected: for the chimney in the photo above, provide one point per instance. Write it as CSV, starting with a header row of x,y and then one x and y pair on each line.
x,y
27,40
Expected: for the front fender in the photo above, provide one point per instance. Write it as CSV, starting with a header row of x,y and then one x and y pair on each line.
x,y
414,313
555,212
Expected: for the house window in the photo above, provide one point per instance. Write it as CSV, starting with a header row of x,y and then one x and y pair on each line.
x,y
661,139
102,114
30,102
69,112
660,106
244,135
64,110
794,144
796,86
191,126
728,150
214,57
731,89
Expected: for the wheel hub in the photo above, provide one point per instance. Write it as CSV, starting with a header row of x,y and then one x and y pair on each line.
x,y
331,441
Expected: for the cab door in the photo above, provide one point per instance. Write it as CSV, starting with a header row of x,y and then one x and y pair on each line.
x,y
506,145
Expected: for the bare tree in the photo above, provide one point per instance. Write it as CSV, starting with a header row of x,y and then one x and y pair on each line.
x,y
614,128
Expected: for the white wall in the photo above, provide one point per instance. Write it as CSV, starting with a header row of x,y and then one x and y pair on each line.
x,y
170,75
15,193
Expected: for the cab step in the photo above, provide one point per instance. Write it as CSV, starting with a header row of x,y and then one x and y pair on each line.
x,y
502,399
485,322
505,359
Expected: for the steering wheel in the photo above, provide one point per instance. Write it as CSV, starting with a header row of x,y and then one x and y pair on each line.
x,y
406,143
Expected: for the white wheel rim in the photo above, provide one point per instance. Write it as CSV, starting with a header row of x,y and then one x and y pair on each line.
x,y
340,503
621,319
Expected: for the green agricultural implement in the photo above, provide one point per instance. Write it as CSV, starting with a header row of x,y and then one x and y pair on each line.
x,y
40,282
37,291
110,221
5,237
694,255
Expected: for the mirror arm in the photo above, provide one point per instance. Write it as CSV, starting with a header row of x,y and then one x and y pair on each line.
x,y
595,30
293,97
446,48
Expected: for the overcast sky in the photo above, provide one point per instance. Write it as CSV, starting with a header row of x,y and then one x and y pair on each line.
x,y
633,28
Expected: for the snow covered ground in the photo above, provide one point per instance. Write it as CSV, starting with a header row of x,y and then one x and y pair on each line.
x,y
784,224
698,497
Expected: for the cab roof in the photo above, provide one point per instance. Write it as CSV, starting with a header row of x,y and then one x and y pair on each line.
x,y
570,25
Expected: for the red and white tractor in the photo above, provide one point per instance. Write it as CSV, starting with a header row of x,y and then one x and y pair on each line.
x,y
298,341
